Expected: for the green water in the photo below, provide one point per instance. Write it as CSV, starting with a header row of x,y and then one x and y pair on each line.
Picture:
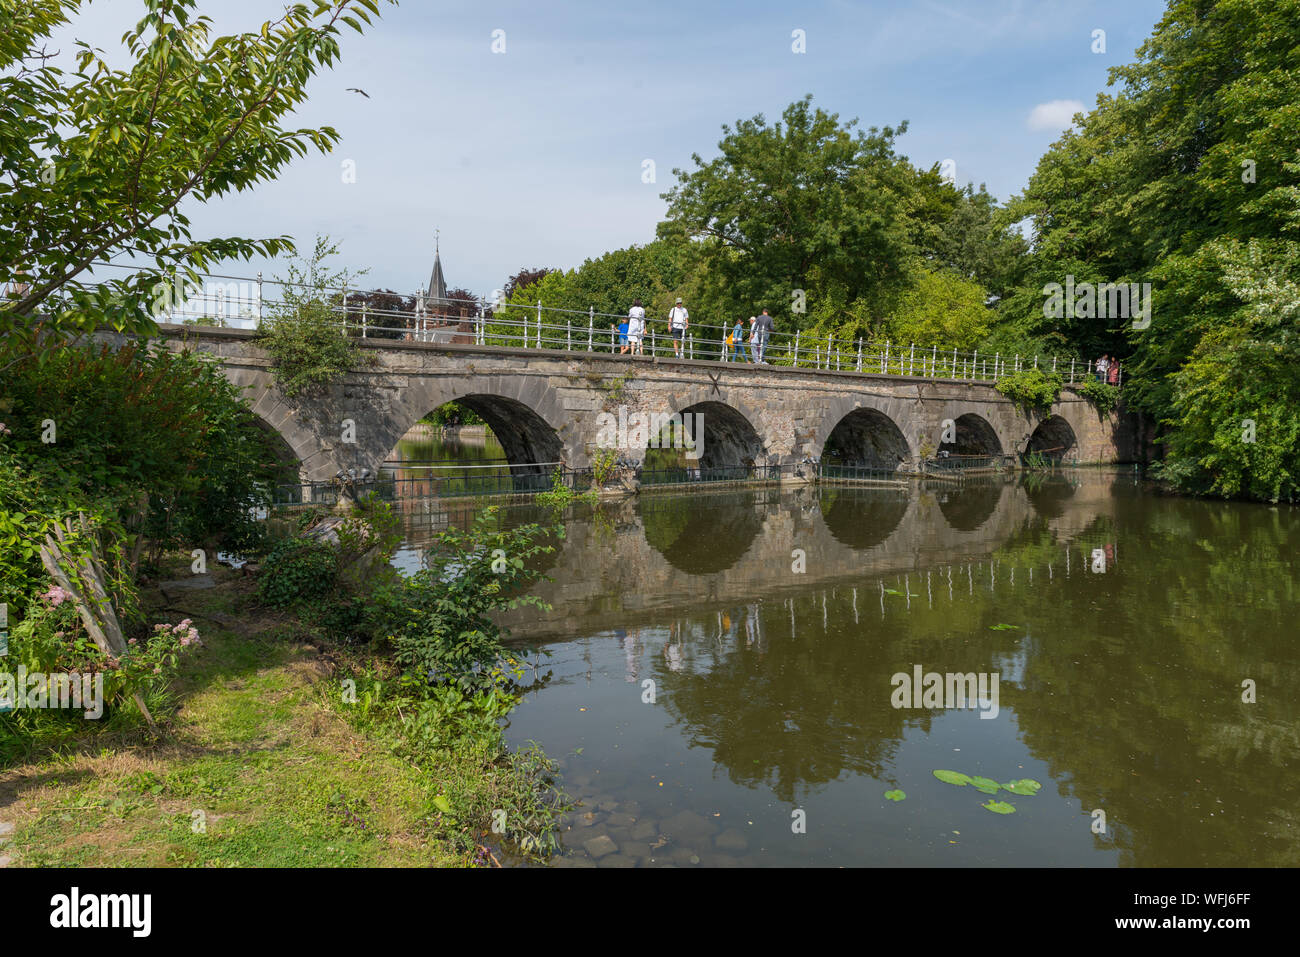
x,y
770,625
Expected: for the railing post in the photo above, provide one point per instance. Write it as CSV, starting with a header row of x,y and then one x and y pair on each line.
x,y
934,356
859,353
884,359
591,323
363,320
974,364
911,360
1071,370
996,356
539,327
829,340
568,335
1035,360
258,324
954,363
796,348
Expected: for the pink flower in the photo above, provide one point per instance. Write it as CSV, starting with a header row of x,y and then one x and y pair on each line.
x,y
56,595
132,641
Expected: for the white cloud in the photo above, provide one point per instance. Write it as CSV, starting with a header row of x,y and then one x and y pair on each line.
x,y
1054,115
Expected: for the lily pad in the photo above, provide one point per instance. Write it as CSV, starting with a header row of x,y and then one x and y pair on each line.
x,y
999,807
1003,627
895,795
1025,786
987,785
953,777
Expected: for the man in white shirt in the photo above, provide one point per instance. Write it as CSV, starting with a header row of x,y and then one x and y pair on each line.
x,y
678,321
635,326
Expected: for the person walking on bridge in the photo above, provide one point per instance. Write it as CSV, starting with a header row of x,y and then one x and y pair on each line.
x,y
678,322
635,326
763,327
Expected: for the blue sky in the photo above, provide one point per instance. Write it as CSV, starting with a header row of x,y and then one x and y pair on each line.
x,y
534,156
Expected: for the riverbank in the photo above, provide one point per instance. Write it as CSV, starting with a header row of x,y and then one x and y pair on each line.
x,y
257,767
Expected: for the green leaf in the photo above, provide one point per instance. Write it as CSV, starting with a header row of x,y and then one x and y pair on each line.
x,y
1025,786
442,804
953,777
895,795
987,785
1003,627
999,807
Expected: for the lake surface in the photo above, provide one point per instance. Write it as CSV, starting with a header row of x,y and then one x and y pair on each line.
x,y
722,671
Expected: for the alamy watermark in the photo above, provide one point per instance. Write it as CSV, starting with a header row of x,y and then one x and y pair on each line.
x,y
651,430
1105,300
69,690
948,690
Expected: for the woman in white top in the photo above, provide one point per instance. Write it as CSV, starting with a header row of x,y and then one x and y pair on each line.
x,y
635,326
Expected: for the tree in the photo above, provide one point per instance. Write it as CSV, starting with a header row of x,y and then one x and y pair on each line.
x,y
387,314
943,309
1185,178
807,199
524,278
97,162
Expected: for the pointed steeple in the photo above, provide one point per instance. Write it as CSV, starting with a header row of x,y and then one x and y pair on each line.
x,y
437,284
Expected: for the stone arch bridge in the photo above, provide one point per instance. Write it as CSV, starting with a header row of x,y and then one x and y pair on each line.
x,y
546,406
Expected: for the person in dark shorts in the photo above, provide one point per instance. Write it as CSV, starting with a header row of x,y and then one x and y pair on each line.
x,y
679,321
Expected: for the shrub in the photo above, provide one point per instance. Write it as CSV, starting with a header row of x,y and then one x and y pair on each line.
x,y
297,570
1031,388
1101,394
443,628
304,333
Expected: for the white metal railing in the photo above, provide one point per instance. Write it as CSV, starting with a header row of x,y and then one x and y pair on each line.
x,y
243,302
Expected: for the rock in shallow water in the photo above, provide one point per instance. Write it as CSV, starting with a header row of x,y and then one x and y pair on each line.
x,y
599,846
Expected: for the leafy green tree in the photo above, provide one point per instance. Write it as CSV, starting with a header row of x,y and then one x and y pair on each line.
x,y
1185,178
942,309
803,201
99,162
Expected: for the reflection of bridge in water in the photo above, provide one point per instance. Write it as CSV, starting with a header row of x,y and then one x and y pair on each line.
x,y
636,561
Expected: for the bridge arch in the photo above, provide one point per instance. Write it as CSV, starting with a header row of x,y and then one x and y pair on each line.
x,y
1053,436
864,431
523,412
972,434
731,428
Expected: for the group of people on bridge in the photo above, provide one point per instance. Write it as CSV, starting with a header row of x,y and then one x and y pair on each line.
x,y
632,332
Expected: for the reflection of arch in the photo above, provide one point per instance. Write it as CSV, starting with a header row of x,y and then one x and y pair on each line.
x,y
866,438
1047,493
968,506
700,535
862,517
974,436
730,439
1053,437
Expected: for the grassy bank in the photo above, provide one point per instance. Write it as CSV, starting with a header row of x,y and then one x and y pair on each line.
x,y
259,765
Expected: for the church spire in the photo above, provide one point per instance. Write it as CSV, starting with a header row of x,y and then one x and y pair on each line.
x,y
437,283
